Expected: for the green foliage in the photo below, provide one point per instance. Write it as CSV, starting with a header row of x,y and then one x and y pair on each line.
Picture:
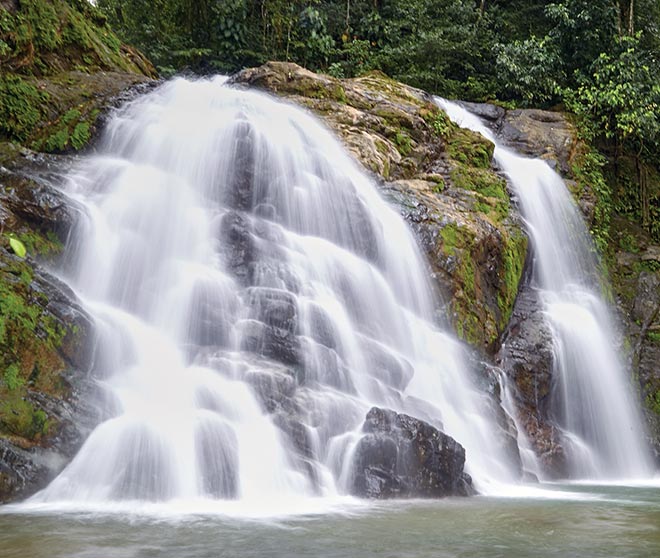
x,y
530,70
588,172
403,143
19,107
470,149
20,418
29,359
39,244
17,246
71,130
45,37
12,378
653,402
440,123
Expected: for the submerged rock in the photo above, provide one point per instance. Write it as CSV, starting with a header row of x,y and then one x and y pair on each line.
x,y
401,456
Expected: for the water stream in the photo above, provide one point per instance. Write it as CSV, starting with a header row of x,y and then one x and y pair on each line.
x,y
254,298
593,403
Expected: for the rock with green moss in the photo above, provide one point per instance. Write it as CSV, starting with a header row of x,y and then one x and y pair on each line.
x,y
440,177
631,262
61,69
634,265
60,64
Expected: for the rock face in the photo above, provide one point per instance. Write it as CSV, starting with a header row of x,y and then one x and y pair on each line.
x,y
636,283
526,356
47,401
401,456
439,176
60,71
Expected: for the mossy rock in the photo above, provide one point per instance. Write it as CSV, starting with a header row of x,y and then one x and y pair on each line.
x,y
46,37
29,358
58,113
439,175
59,65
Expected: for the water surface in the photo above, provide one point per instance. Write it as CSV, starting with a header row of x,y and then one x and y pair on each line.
x,y
573,520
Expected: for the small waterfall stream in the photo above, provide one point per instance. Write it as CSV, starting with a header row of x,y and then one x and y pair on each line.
x,y
254,298
593,403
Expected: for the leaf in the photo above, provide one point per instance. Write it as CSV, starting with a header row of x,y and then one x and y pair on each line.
x,y
18,247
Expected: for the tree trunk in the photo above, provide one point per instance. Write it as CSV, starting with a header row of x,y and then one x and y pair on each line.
x,y
642,180
631,18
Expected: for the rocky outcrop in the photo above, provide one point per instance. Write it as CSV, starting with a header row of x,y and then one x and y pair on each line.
x,y
61,69
401,456
635,273
46,339
526,357
439,176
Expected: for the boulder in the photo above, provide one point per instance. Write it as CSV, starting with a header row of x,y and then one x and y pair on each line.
x,y
401,456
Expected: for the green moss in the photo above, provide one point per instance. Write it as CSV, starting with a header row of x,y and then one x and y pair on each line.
x,y
458,243
439,122
20,107
12,377
81,135
652,402
469,148
587,170
484,181
29,359
72,130
403,143
653,336
40,244
514,252
19,417
48,36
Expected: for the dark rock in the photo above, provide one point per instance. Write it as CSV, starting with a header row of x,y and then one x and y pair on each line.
x,y
540,133
20,471
34,201
401,456
268,341
236,234
491,113
526,357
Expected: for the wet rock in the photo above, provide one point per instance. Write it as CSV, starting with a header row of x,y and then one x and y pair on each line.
x,y
526,357
540,133
19,469
236,234
492,114
29,195
401,456
56,393
268,341
435,175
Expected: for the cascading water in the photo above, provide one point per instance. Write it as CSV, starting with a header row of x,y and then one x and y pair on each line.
x,y
254,298
592,403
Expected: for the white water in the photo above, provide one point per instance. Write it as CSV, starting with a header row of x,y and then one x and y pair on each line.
x,y
221,224
593,400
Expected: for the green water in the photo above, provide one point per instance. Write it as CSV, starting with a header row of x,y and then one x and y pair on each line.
x,y
593,521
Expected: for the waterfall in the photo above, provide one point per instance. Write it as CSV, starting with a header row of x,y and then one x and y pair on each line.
x,y
254,298
593,403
